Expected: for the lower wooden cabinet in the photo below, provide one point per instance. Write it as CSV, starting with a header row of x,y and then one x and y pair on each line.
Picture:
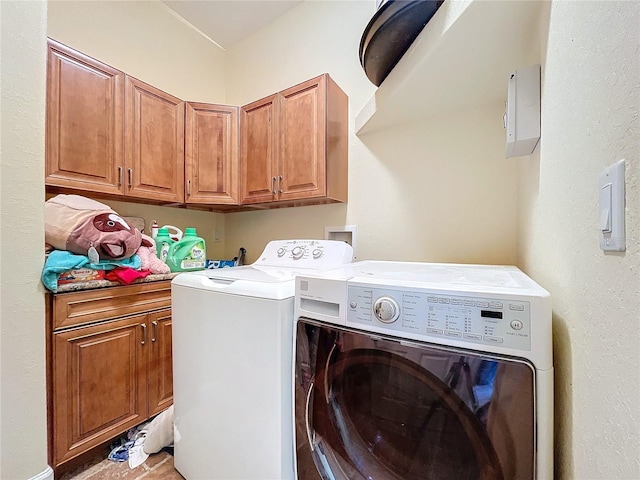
x,y
160,368
110,374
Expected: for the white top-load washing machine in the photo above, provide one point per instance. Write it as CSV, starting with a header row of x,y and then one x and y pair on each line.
x,y
232,361
415,370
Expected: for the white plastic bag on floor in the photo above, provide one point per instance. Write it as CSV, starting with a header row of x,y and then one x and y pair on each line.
x,y
159,432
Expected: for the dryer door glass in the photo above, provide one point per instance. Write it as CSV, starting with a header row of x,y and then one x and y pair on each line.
x,y
372,407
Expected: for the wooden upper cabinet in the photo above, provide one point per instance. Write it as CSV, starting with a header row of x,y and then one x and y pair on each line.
x,y
109,133
302,146
154,143
211,154
259,157
84,125
295,145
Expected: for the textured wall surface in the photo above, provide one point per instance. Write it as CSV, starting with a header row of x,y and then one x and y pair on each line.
x,y
23,425
590,102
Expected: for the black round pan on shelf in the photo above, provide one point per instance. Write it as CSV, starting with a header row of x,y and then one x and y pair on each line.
x,y
390,32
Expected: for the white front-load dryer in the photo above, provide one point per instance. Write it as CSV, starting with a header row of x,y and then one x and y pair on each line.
x,y
232,361
411,371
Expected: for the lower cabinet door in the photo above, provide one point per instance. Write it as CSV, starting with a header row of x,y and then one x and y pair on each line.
x,y
160,362
99,383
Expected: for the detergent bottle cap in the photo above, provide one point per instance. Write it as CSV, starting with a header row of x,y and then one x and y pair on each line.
x,y
190,232
163,231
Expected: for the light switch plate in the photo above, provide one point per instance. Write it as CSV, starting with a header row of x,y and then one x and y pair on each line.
x,y
611,228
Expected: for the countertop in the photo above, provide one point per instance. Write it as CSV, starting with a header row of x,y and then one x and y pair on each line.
x,y
74,287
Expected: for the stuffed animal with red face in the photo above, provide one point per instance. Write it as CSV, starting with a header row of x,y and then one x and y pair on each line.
x,y
86,227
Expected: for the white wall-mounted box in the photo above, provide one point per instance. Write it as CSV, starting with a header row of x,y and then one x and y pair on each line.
x,y
522,118
347,233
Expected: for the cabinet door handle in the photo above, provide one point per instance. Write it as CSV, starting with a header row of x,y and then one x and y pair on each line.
x,y
280,184
144,333
155,331
120,176
130,170
273,185
188,188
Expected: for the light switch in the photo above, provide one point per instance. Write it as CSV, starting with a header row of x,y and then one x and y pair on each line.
x,y
611,225
605,208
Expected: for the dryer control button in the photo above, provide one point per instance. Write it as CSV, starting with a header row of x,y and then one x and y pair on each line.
x,y
516,324
386,310
492,339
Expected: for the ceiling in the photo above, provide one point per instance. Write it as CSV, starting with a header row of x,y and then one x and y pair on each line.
x,y
227,22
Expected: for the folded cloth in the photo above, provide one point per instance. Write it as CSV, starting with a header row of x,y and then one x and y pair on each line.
x,y
125,275
60,261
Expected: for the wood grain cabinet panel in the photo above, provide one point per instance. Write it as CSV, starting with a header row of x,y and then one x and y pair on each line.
x,y
302,145
99,384
84,122
154,143
259,140
108,375
295,146
160,362
211,154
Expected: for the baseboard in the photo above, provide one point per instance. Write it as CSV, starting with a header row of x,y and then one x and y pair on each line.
x,y
46,474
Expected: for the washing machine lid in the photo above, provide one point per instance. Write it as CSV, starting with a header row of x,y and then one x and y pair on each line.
x,y
499,279
275,283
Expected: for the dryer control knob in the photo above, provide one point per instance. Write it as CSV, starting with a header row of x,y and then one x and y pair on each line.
x,y
317,253
386,310
297,252
281,251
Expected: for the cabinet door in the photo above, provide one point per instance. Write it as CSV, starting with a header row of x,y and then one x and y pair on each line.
x,y
302,140
84,137
154,143
99,384
160,365
258,131
211,154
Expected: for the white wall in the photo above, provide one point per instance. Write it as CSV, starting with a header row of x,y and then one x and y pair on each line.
x,y
440,190
23,434
146,40
590,102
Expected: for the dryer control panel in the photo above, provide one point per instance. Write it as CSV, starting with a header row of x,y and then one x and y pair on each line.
x,y
469,319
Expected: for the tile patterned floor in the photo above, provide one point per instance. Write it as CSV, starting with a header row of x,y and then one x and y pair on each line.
x,y
158,466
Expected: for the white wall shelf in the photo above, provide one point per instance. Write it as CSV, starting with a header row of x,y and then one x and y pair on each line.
x,y
461,59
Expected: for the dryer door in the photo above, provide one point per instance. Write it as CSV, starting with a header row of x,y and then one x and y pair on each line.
x,y
374,407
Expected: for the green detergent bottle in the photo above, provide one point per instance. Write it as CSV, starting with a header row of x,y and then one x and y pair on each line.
x,y
163,242
187,254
